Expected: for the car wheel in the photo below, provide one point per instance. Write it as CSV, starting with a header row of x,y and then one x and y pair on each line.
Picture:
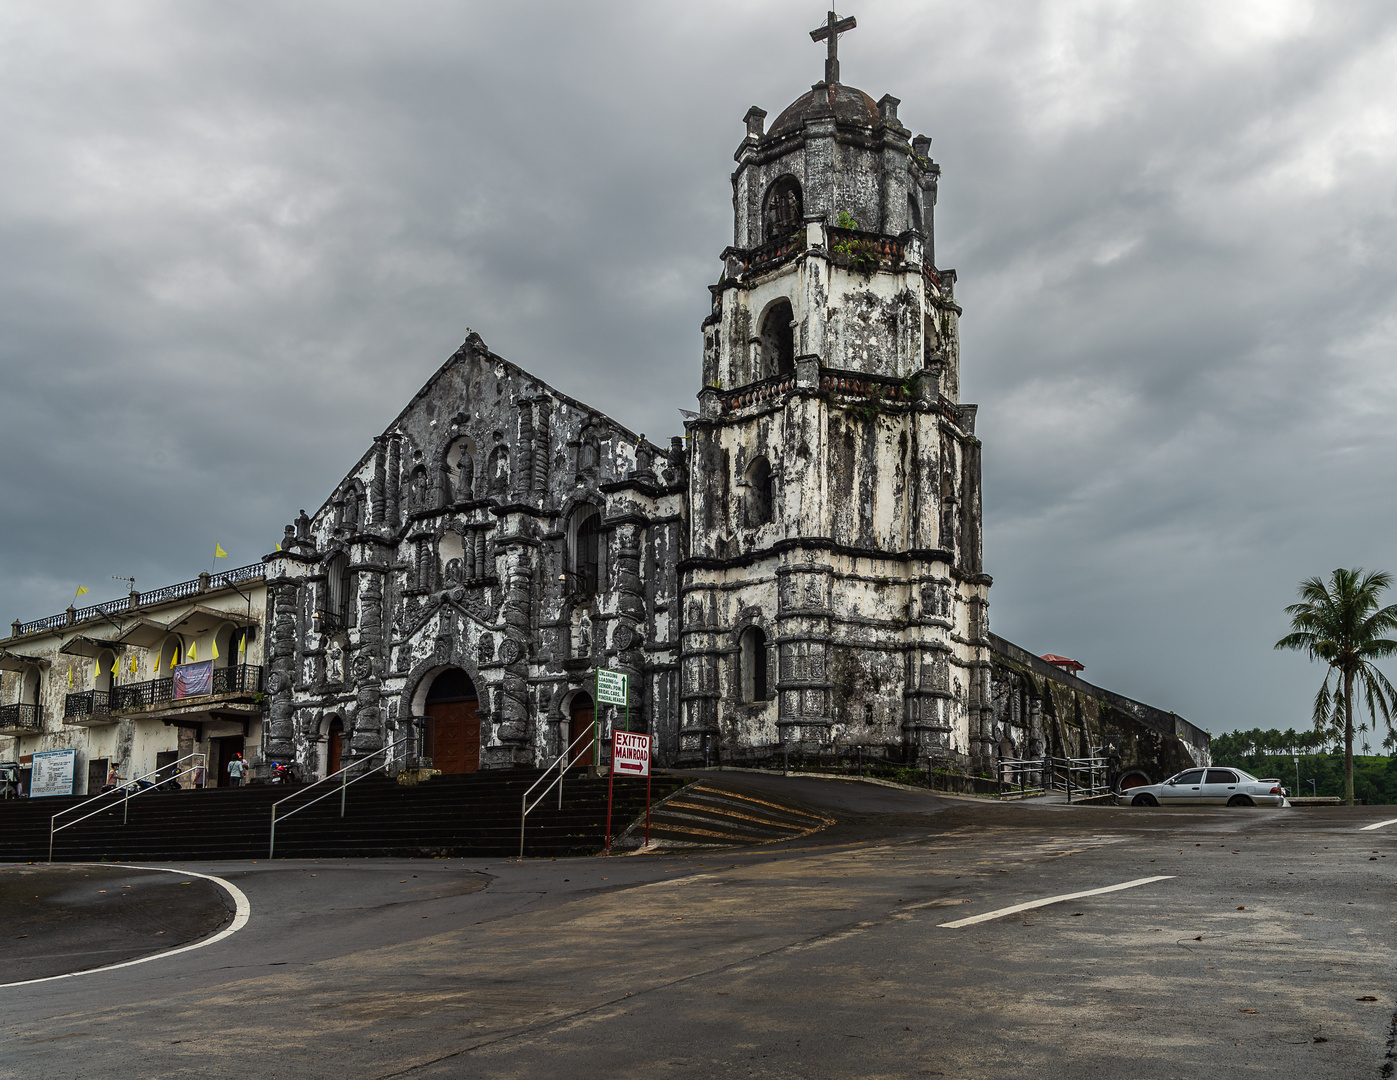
x,y
1240,800
1144,800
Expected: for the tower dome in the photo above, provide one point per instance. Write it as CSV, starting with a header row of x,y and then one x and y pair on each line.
x,y
845,104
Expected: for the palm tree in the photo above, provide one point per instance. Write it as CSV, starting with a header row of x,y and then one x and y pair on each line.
x,y
1342,625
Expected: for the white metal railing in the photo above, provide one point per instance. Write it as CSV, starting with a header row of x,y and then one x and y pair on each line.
x,y
562,764
126,791
1083,777
343,775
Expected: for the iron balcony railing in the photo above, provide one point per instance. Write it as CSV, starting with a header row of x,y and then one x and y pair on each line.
x,y
21,719
86,703
238,679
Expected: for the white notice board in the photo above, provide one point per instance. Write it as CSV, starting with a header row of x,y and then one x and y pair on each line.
x,y
53,773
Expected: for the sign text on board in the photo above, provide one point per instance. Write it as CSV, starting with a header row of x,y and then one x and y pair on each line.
x,y
630,753
613,687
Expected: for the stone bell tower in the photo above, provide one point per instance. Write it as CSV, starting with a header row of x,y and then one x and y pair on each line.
x,y
833,595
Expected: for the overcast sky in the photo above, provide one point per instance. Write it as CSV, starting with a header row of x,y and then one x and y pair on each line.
x,y
236,238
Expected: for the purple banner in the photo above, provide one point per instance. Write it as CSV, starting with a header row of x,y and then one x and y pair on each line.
x,y
194,680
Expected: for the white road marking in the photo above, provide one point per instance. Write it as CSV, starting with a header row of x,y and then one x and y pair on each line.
x,y
1378,825
242,911
987,916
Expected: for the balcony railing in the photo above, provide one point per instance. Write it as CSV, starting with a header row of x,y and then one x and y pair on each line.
x,y
864,250
182,591
238,679
87,703
21,719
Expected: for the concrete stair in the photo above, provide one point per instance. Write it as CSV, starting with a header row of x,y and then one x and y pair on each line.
x,y
712,814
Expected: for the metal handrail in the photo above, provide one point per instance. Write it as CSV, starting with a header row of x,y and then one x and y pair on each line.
x,y
565,759
343,774
126,792
1049,768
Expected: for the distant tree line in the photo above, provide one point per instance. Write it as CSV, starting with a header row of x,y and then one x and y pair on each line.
x,y
1272,753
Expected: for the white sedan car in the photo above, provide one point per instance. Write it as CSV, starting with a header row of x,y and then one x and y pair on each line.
x,y
1207,787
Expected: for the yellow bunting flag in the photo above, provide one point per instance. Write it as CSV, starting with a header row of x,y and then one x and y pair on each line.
x,y
81,589
115,665
193,651
174,659
218,552
97,668
278,547
215,650
70,676
242,643
133,662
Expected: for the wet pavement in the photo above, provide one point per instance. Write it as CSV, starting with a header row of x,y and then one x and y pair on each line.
x,y
1265,949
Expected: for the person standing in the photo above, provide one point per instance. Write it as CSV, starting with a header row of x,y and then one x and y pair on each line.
x,y
235,771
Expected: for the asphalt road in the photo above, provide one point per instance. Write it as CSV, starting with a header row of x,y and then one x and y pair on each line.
x,y
1266,950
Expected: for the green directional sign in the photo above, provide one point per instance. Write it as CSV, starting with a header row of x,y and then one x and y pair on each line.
x,y
613,687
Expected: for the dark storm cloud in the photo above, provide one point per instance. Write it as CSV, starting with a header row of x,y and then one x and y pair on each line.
x,y
235,239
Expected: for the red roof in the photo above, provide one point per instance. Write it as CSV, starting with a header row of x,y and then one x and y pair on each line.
x,y
1064,662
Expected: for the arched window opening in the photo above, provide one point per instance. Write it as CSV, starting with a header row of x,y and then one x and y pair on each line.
x,y
106,661
337,588
334,746
499,472
171,653
778,341
782,209
758,504
29,687
586,551
231,645
751,663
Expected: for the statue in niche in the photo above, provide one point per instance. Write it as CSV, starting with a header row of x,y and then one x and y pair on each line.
x,y
499,472
465,477
335,672
588,454
417,487
351,509
644,459
584,637
455,572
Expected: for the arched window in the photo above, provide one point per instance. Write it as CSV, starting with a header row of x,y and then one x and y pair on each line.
x,y
29,687
751,664
586,551
171,653
337,587
757,506
782,209
778,341
106,661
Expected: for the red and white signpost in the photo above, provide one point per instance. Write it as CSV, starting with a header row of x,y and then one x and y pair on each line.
x,y
630,756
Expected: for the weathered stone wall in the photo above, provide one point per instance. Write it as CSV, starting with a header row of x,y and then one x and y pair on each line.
x,y
1040,710
456,531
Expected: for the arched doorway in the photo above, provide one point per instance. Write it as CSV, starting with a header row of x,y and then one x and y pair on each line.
x,y
334,747
582,717
452,734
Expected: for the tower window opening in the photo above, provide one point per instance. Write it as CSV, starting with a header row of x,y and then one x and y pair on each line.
x,y
758,503
782,210
586,552
751,663
337,590
778,341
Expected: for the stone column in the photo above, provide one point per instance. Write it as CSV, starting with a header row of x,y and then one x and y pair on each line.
x,y
280,738
514,712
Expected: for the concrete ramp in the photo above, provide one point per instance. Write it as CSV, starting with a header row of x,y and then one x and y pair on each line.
x,y
715,814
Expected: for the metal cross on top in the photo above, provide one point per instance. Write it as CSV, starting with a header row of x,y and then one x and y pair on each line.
x,y
834,26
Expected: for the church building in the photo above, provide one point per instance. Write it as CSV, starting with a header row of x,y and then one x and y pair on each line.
x,y
799,574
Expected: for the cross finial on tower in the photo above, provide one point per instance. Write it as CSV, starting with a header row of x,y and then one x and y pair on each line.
x,y
834,26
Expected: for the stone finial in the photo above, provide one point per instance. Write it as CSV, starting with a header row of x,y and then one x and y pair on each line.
x,y
14,628
887,108
921,146
755,121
